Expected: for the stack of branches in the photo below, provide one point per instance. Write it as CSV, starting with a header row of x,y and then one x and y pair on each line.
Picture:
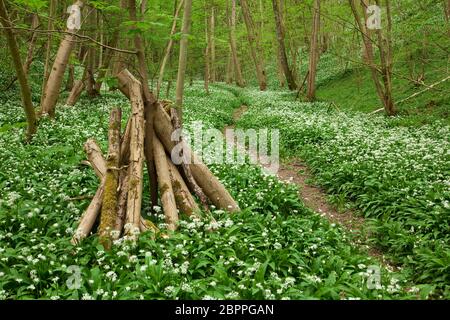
x,y
118,200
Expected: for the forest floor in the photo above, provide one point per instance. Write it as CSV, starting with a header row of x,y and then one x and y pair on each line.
x,y
276,248
296,171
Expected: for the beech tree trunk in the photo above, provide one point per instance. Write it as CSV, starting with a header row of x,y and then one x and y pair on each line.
x,y
314,53
237,66
255,47
21,76
281,47
56,76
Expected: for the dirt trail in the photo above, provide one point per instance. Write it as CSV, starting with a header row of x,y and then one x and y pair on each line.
x,y
295,171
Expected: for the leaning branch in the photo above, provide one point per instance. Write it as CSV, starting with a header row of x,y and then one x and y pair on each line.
x,y
73,34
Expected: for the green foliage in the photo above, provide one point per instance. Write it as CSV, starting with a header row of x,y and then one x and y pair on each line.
x,y
274,249
397,176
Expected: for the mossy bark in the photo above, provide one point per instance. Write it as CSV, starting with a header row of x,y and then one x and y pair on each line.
x,y
110,198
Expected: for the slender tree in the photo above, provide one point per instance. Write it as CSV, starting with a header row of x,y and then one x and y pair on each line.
x,y
255,46
48,48
21,76
183,58
314,52
55,79
212,44
236,64
384,92
281,47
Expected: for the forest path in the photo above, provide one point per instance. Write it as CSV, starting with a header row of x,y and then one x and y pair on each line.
x,y
297,172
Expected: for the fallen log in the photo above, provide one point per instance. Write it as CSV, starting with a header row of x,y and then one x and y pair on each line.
x,y
110,200
89,216
134,201
212,187
185,165
95,157
165,186
121,204
183,198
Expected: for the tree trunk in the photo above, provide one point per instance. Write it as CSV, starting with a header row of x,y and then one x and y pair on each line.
x,y
51,14
75,93
31,45
121,203
137,133
109,54
229,72
370,59
385,47
183,57
56,76
314,53
70,78
183,198
91,55
281,47
24,87
149,108
237,66
165,186
168,49
207,50
254,46
212,187
212,45
89,216
95,157
109,212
